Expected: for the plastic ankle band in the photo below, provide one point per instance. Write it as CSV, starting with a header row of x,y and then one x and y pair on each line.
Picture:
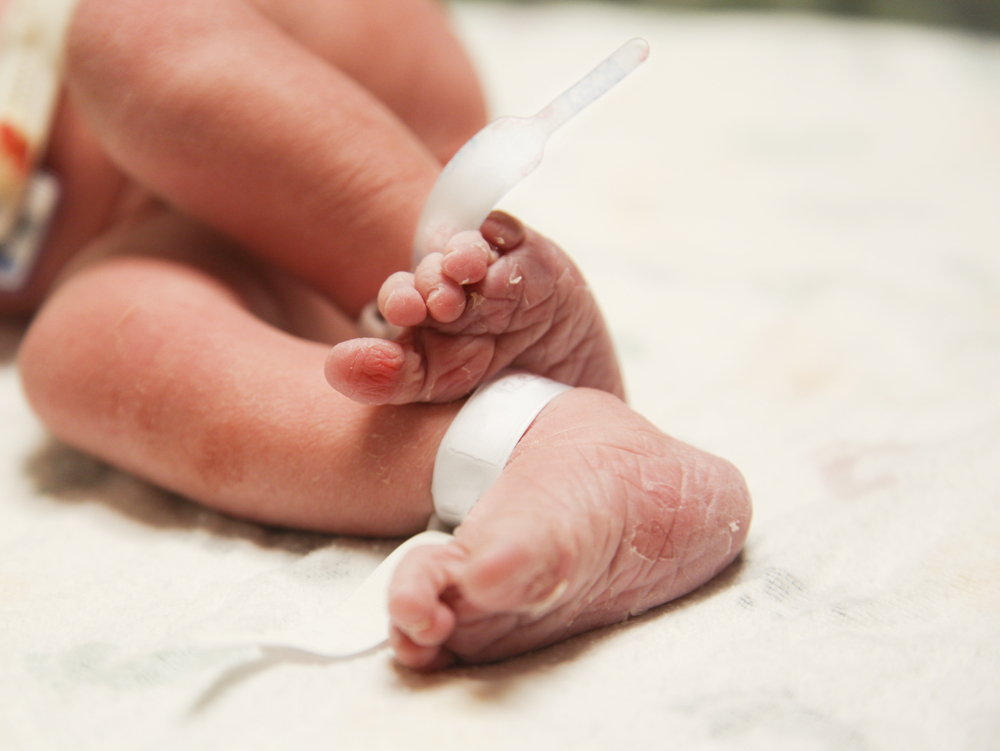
x,y
482,437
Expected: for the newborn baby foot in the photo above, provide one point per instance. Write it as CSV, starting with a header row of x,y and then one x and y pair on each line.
x,y
505,297
598,515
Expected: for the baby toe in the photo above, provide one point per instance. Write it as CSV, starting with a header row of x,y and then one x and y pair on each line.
x,y
516,576
370,371
399,301
444,297
416,610
467,257
413,656
503,231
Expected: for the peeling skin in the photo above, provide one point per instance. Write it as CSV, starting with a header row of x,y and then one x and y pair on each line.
x,y
526,308
651,541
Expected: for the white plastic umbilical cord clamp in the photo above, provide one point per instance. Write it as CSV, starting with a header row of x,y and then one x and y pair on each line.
x,y
482,437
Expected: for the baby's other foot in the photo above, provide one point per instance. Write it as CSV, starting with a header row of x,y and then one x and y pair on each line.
x,y
598,515
504,296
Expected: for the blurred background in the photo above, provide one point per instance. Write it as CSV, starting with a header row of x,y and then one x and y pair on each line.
x,y
982,15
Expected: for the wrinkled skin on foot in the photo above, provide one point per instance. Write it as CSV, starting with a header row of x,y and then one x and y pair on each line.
x,y
598,515
501,297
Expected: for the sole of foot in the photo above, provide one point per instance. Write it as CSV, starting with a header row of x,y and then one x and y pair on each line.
x,y
597,516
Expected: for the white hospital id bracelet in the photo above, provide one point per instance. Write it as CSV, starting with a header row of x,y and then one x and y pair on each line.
x,y
482,437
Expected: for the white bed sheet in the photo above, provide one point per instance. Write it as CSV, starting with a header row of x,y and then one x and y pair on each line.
x,y
792,223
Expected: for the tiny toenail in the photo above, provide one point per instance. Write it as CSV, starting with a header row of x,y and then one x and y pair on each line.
x,y
419,627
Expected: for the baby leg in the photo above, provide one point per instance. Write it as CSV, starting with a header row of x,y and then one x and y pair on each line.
x,y
506,297
162,366
318,162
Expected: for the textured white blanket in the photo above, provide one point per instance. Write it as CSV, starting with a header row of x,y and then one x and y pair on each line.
x,y
793,226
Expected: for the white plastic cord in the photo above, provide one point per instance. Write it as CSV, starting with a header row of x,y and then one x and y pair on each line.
x,y
474,451
495,160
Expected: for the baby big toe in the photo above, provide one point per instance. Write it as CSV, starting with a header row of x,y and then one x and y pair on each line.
x,y
369,371
516,577
415,606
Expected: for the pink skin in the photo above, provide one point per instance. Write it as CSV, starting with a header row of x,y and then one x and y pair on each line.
x,y
502,297
279,231
157,105
598,515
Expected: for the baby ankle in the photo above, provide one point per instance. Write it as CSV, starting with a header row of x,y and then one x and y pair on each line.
x,y
482,437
